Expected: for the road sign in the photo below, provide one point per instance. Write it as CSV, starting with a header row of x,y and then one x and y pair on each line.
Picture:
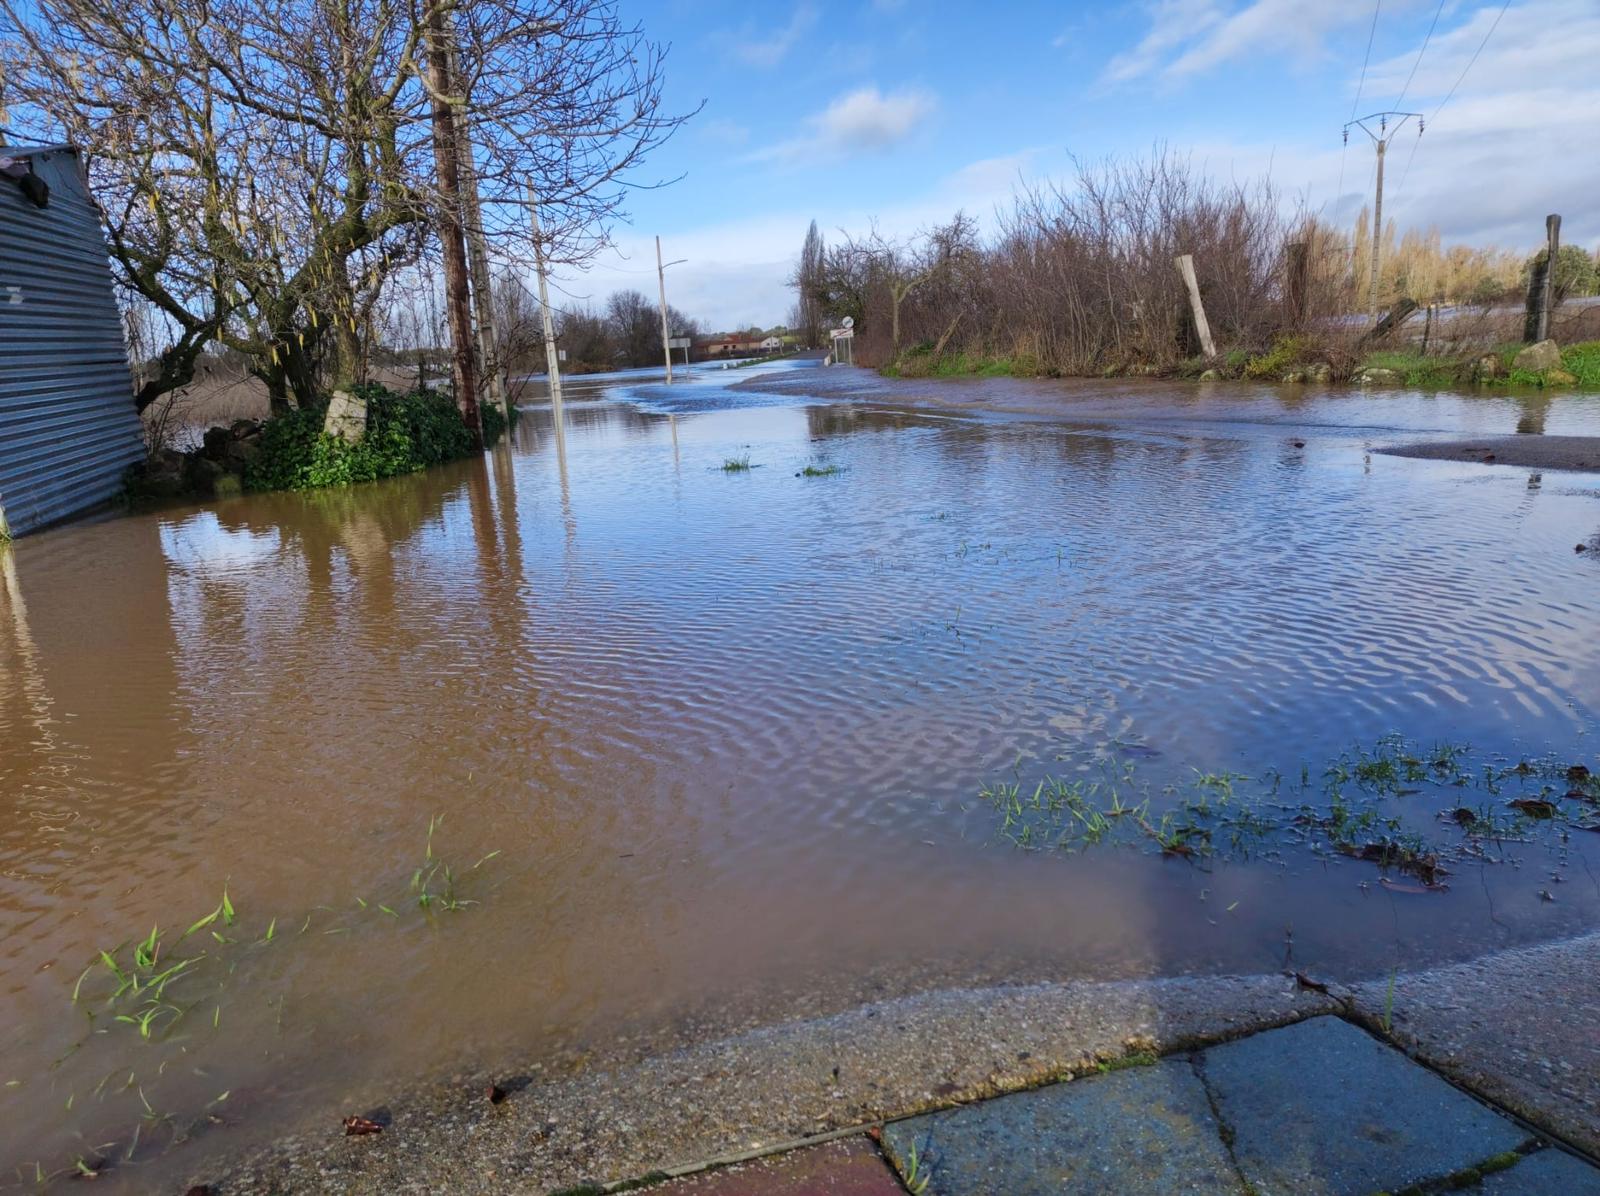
x,y
678,342
849,321
843,334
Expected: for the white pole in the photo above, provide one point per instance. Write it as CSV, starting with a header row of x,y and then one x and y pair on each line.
x,y
661,278
551,357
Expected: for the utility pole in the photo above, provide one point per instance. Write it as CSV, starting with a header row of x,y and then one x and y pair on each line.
x,y
478,257
446,159
552,356
661,279
1380,140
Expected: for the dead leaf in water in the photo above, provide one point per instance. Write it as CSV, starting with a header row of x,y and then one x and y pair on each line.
x,y
1535,807
1400,886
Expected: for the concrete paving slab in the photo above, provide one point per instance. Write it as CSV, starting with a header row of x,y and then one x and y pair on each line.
x,y
1548,1173
761,1089
1142,1130
847,1167
1521,1027
1324,1109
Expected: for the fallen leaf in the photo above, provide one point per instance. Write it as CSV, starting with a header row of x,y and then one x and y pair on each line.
x,y
1303,981
1400,886
1535,807
354,1126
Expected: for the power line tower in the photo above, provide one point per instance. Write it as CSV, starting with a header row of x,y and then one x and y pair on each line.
x,y
1380,141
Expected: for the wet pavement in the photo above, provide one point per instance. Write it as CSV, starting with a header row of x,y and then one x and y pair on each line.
x,y
1319,1108
1200,1084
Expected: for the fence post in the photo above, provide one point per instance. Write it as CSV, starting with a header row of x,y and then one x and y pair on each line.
x,y
1298,255
1542,285
1185,264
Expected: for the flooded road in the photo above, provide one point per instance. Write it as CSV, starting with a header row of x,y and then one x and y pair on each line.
x,y
712,745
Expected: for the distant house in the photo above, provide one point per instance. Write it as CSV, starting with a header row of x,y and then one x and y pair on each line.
x,y
68,426
772,344
732,344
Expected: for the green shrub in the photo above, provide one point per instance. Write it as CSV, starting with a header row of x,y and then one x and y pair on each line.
x,y
1284,355
1582,361
405,433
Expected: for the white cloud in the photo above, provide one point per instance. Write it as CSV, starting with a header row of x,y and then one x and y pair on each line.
x,y
864,119
769,51
870,119
1172,22
1191,37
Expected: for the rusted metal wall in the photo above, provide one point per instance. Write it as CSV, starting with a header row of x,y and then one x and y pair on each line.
x,y
68,428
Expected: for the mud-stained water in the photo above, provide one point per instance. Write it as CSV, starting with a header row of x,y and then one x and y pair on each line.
x,y
727,730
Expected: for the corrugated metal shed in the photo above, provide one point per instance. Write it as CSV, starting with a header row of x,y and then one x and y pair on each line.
x,y
68,428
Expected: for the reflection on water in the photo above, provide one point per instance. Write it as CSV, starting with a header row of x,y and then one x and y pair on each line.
x,y
727,729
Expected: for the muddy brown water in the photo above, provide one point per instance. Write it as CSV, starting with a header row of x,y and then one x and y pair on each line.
x,y
726,730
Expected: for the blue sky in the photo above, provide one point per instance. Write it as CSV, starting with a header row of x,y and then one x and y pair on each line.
x,y
902,111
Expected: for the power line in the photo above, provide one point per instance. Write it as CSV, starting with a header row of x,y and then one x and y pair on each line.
x,y
1360,87
1448,95
1474,59
1367,58
1436,14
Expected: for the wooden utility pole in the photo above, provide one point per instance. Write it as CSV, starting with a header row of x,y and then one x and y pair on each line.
x,y
1185,264
1380,140
489,363
552,356
446,159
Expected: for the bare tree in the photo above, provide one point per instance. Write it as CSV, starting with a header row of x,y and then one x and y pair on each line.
x,y
265,166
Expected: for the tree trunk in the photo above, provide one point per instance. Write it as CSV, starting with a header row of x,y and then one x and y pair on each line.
x,y
447,165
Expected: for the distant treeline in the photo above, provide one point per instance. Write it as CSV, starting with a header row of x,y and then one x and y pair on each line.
x,y
1079,277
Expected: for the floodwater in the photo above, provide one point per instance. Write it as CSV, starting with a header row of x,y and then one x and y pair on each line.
x,y
727,730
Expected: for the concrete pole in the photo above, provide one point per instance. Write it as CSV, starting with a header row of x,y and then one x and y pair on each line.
x,y
552,357
1185,264
661,280
1377,234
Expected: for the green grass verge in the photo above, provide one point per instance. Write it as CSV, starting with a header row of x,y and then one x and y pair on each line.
x,y
919,362
1425,372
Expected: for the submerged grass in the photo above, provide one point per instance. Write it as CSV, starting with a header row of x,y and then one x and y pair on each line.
x,y
156,983
1354,810
737,464
820,471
